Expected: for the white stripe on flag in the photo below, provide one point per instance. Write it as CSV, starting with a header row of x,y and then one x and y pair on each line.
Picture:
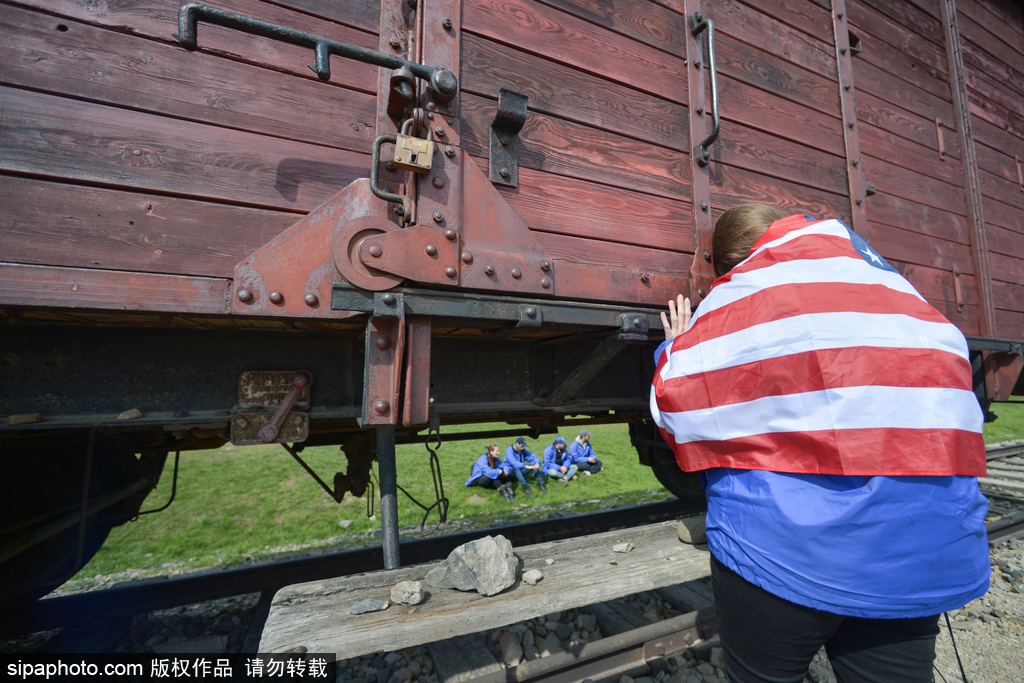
x,y
813,332
829,227
826,271
870,407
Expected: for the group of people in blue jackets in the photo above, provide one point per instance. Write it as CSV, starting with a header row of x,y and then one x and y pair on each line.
x,y
563,461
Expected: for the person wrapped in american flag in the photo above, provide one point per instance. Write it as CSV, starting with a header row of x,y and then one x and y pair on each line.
x,y
831,413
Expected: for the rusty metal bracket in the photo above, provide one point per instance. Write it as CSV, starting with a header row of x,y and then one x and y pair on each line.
x,y
635,326
508,121
698,23
281,391
958,294
469,308
421,253
844,44
530,316
416,390
389,305
292,274
1002,371
382,373
1000,363
702,273
444,85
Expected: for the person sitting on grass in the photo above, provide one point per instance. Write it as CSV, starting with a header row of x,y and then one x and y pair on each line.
x,y
521,462
557,462
490,472
581,453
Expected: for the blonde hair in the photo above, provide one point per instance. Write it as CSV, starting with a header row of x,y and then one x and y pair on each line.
x,y
492,459
737,230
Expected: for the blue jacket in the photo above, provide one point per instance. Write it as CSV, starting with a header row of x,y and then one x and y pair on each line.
x,y
481,468
520,460
550,459
579,452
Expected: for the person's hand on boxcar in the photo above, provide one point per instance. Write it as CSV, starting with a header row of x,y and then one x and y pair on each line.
x,y
678,319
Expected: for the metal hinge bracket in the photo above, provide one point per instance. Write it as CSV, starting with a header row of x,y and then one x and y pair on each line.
x,y
509,120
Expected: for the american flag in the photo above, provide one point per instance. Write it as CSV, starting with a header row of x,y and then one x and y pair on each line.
x,y
814,355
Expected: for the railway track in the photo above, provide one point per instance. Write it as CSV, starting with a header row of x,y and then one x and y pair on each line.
x,y
123,602
1004,488
621,649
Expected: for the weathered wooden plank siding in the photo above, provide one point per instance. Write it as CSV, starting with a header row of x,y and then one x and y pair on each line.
x,y
79,141
992,36
604,168
918,215
158,19
100,65
127,152
60,224
162,160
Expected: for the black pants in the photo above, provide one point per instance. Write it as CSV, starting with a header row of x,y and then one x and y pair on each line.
x,y
488,483
770,640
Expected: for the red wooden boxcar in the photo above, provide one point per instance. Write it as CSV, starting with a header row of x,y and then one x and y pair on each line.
x,y
315,222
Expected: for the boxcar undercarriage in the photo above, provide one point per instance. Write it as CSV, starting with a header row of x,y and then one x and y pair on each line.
x,y
460,211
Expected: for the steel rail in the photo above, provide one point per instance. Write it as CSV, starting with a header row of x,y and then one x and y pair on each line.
x,y
151,595
625,654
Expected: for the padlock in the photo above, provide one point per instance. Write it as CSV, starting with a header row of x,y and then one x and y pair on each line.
x,y
414,154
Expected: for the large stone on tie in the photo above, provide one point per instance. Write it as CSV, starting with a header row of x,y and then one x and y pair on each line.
x,y
486,565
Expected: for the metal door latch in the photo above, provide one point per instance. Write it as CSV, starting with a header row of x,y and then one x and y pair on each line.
x,y
279,392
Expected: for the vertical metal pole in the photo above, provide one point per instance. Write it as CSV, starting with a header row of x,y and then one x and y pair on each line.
x,y
969,161
702,272
388,494
86,481
851,133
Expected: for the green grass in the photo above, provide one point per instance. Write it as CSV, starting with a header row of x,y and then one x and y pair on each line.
x,y
1009,425
236,505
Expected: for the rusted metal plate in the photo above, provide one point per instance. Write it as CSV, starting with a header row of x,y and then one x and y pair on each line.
x,y
280,391
1001,373
420,253
385,344
264,389
416,401
292,274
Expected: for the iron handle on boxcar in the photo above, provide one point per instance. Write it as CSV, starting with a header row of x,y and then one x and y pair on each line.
x,y
698,22
443,83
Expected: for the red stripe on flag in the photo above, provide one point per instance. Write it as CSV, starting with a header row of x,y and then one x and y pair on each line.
x,y
786,301
806,247
856,452
813,371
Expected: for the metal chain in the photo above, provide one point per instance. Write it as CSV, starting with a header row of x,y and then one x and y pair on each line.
x,y
440,501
